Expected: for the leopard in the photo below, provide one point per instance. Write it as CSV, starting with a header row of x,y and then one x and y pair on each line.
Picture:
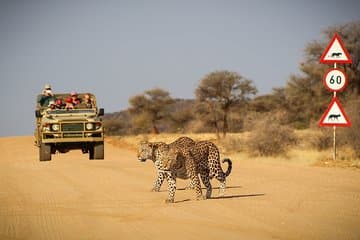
x,y
206,157
155,150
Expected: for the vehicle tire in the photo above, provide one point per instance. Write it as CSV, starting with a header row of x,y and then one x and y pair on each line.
x,y
45,152
91,152
98,151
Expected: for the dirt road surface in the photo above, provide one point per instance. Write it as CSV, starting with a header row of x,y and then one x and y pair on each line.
x,y
72,197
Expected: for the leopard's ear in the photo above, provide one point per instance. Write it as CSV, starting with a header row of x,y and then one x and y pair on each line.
x,y
147,144
154,145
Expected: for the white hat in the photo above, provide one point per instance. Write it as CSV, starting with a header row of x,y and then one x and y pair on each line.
x,y
52,102
47,86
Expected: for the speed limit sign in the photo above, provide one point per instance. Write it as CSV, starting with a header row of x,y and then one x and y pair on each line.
x,y
335,80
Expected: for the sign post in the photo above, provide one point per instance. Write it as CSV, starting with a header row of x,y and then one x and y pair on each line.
x,y
335,80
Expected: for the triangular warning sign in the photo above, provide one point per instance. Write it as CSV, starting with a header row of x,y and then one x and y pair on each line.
x,y
335,115
335,52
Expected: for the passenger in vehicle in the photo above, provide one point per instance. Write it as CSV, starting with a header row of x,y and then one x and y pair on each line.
x,y
59,104
46,96
87,101
75,99
69,103
51,105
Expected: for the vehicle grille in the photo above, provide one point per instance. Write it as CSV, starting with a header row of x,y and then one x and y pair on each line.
x,y
72,135
72,127
72,131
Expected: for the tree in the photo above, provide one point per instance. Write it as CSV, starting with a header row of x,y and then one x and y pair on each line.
x,y
218,92
269,102
181,114
149,108
117,123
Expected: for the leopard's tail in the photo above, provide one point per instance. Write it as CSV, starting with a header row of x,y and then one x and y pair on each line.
x,y
228,171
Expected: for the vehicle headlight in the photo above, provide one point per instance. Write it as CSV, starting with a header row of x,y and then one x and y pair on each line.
x,y
98,125
89,126
55,127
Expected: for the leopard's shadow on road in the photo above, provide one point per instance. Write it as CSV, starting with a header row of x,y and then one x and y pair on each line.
x,y
226,196
240,196
203,188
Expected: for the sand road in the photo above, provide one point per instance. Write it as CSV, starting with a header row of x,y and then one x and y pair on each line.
x,y
72,197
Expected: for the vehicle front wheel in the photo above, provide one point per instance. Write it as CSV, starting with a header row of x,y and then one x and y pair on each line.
x,y
45,152
97,151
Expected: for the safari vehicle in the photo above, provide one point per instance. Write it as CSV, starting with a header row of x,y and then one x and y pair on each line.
x,y
61,130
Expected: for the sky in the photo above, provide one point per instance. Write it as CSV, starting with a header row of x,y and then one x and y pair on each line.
x,y
118,49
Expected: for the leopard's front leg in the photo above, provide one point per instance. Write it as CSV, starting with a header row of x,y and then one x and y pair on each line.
x,y
171,188
159,181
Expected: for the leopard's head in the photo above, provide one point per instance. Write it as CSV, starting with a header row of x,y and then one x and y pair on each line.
x,y
150,150
145,151
172,160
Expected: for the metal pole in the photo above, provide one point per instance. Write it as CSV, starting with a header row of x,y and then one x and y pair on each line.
x,y
334,154
334,132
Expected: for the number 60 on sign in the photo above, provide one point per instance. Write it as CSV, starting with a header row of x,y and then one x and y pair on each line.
x,y
335,80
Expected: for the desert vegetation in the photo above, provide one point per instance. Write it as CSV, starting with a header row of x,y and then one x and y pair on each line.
x,y
307,150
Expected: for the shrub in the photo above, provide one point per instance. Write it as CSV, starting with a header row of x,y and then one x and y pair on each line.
x,y
350,136
320,140
270,138
232,143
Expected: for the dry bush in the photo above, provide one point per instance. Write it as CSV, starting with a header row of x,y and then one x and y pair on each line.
x,y
269,138
251,118
350,136
234,142
197,126
320,139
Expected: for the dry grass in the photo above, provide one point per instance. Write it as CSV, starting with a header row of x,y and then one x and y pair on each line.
x,y
132,142
235,147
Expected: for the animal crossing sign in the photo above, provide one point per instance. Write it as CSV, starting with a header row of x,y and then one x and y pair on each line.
x,y
335,52
335,115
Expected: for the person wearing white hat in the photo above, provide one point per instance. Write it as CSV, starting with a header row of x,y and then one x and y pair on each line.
x,y
46,96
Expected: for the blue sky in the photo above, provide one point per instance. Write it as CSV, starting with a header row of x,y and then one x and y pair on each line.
x,y
117,49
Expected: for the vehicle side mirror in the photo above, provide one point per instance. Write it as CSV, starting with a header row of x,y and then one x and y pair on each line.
x,y
101,112
38,114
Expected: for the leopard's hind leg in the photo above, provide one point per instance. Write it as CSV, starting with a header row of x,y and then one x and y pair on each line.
x,y
204,174
220,176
